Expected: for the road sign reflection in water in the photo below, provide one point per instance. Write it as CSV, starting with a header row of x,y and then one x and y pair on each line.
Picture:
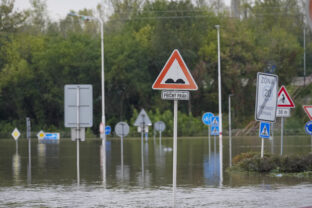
x,y
122,130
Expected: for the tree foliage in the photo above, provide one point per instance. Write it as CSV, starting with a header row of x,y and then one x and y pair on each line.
x,y
38,57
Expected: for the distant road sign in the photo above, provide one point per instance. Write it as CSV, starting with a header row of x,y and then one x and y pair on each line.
x,y
283,112
41,134
207,118
214,130
108,130
175,75
71,93
308,127
51,136
284,100
122,129
143,119
215,121
266,97
16,134
160,126
175,95
264,130
308,110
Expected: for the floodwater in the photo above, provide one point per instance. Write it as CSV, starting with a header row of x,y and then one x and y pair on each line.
x,y
49,177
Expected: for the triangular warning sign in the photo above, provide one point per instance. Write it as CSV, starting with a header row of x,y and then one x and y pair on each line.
x,y
308,110
284,100
264,131
215,131
175,75
143,119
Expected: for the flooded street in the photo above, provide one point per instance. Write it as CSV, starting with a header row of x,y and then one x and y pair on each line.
x,y
50,179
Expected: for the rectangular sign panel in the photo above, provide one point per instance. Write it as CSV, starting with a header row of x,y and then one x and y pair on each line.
x,y
264,130
266,97
175,95
78,97
283,112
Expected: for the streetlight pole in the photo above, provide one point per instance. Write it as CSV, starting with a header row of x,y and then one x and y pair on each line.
x,y
230,130
220,110
103,135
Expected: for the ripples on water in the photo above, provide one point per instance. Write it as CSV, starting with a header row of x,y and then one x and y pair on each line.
x,y
97,196
52,179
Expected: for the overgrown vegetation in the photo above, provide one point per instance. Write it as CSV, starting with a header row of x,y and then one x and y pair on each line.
x,y
252,162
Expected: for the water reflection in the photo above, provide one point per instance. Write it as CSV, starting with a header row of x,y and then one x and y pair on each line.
x,y
16,166
29,163
198,162
105,152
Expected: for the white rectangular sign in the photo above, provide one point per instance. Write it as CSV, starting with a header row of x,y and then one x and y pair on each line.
x,y
175,95
266,97
78,97
283,112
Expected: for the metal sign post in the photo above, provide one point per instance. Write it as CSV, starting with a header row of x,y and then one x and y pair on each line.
x,y
16,134
122,130
160,126
264,133
28,135
284,103
207,121
78,114
175,76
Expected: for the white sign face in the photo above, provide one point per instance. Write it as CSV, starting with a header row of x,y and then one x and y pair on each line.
x,y
266,98
159,126
78,96
175,75
122,129
78,134
16,134
143,119
41,134
283,99
175,95
283,112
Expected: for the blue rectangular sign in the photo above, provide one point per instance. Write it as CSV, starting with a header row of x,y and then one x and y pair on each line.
x,y
52,136
264,130
215,121
214,130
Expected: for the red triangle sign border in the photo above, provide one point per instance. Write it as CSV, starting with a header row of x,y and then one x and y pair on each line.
x,y
158,85
291,105
305,108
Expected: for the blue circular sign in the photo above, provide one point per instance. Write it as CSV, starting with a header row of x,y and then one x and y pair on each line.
x,y
108,130
308,127
207,118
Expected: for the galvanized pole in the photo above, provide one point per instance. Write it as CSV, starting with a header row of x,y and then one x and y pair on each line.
x,y
282,132
230,131
175,135
262,147
304,55
142,156
272,141
78,136
220,105
122,160
103,99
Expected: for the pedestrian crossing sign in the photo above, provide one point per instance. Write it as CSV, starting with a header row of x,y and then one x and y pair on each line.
x,y
264,130
215,121
214,130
